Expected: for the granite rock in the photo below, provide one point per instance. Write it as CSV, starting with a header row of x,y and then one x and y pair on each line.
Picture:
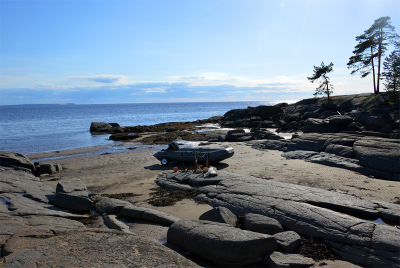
x,y
278,259
226,245
149,214
96,248
220,214
261,224
288,242
8,158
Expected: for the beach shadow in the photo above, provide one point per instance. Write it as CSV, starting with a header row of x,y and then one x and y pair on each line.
x,y
221,166
160,167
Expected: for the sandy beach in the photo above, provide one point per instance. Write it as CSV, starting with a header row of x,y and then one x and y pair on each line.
x,y
134,171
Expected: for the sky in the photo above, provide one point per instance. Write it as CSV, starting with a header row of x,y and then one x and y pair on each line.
x,y
120,51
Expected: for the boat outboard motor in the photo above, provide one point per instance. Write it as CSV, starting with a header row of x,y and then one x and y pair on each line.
x,y
173,146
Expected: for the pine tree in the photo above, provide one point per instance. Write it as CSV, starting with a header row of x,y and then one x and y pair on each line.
x,y
325,87
391,68
372,46
363,60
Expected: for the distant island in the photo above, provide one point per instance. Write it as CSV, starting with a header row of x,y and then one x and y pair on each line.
x,y
41,104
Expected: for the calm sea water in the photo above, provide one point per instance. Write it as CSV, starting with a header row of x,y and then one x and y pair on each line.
x,y
44,128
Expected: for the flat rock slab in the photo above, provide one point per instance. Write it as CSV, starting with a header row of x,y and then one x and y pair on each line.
x,y
312,212
374,153
22,206
220,243
10,225
95,248
333,160
379,153
15,181
278,259
149,214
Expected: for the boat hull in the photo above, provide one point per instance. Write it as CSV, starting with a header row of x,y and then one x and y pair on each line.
x,y
189,155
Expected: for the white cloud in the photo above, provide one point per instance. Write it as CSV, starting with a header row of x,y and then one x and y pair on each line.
x,y
155,89
234,92
266,91
101,78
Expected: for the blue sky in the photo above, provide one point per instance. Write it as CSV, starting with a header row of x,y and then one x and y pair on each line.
x,y
179,51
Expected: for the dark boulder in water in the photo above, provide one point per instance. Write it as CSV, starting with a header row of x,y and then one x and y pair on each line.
x,y
100,127
124,136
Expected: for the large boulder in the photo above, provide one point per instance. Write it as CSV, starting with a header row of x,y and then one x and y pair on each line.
x,y
261,224
8,158
266,111
124,136
220,243
340,120
100,127
72,194
72,186
321,126
73,202
292,125
47,168
236,113
288,242
371,122
307,115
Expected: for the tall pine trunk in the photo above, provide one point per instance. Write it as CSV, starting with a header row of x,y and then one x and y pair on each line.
x,y
373,70
327,89
379,58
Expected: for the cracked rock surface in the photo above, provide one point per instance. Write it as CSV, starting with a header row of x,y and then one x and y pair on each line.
x,y
35,233
90,248
313,212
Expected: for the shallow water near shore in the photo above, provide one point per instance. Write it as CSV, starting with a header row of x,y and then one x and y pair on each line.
x,y
31,129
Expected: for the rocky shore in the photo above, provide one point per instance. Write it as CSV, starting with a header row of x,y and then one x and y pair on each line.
x,y
334,180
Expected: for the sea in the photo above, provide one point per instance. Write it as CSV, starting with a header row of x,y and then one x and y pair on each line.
x,y
40,128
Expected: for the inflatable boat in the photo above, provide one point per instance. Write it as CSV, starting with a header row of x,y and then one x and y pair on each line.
x,y
174,153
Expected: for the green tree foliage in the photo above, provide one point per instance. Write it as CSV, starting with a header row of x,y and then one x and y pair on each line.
x,y
372,45
391,70
325,87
